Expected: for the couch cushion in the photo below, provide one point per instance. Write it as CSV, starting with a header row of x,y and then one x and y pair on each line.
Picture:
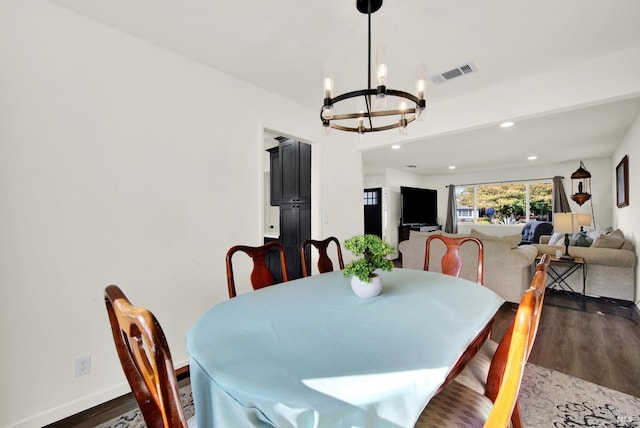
x,y
613,240
556,239
593,234
512,240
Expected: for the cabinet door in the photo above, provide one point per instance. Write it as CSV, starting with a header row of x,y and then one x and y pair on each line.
x,y
295,227
295,170
304,173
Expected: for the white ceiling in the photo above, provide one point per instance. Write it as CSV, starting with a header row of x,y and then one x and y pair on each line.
x,y
282,45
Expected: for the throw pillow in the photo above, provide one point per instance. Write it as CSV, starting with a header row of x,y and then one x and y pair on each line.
x,y
608,241
556,239
616,234
593,234
582,240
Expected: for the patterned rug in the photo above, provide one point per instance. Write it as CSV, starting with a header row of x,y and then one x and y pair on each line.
x,y
548,399
552,399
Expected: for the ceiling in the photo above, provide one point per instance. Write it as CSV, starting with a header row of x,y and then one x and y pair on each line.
x,y
282,45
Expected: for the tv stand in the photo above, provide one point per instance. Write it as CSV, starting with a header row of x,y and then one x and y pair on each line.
x,y
404,230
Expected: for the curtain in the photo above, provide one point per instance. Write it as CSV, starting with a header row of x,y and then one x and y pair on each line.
x,y
451,225
560,201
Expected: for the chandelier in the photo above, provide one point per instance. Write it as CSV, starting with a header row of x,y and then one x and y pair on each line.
x,y
363,120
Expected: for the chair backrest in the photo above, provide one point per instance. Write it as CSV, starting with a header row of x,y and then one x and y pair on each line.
x,y
324,261
146,360
507,365
260,274
451,262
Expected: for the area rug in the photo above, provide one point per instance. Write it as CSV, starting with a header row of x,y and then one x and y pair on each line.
x,y
552,399
548,399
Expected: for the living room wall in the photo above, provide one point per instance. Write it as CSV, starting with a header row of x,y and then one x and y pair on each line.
x,y
626,218
124,163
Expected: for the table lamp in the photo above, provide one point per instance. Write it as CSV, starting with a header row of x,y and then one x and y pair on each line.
x,y
583,220
565,223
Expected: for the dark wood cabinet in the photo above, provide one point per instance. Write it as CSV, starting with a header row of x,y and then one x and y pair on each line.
x,y
295,172
290,165
404,231
295,227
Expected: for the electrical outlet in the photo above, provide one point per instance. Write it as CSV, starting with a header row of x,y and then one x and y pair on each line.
x,y
82,365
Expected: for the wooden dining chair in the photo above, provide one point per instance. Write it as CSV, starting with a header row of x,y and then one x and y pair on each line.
x,y
324,261
476,375
496,407
458,405
261,275
146,361
451,262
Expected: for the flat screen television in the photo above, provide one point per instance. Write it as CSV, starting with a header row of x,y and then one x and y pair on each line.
x,y
418,206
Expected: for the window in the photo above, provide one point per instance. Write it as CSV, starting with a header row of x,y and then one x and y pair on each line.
x,y
504,203
370,198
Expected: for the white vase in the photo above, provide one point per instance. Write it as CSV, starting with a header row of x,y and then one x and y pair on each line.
x,y
364,290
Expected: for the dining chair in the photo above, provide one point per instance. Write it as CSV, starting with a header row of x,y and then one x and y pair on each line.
x,y
261,275
476,375
458,405
324,261
451,262
146,361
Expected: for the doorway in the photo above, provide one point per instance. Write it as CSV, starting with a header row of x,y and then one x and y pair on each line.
x,y
287,197
372,200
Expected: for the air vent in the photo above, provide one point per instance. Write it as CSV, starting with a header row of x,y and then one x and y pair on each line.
x,y
453,73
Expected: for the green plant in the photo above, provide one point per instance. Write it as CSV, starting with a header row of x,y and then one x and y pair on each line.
x,y
374,251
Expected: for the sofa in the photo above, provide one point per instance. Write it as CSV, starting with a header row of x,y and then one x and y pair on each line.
x,y
507,266
610,262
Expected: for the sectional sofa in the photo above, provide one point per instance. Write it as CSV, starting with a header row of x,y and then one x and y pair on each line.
x,y
507,266
610,262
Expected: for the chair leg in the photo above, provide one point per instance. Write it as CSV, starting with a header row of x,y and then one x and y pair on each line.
x,y
516,422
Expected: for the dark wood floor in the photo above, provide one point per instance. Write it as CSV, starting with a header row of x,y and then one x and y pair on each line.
x,y
600,345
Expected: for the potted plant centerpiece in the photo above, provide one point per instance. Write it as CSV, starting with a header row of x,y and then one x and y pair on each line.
x,y
364,282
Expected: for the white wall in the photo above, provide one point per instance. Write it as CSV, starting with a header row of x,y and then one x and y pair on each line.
x,y
626,218
601,200
120,163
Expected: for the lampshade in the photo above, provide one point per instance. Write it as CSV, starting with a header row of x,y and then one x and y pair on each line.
x,y
583,219
566,222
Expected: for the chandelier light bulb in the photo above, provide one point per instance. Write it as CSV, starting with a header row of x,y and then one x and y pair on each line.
x,y
328,87
381,66
327,112
421,80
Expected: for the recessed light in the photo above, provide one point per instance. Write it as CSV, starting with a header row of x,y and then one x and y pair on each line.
x,y
532,157
452,167
395,146
506,124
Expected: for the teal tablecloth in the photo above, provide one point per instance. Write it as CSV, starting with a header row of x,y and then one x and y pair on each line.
x,y
309,353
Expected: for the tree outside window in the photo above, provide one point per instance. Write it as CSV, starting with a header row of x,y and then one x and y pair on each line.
x,y
504,203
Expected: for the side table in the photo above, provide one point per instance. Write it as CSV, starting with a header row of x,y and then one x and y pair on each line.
x,y
558,273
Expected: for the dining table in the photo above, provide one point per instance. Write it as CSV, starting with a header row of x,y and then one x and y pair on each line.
x,y
310,353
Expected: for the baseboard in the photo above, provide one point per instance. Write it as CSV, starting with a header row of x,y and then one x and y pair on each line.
x,y
71,408
87,413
